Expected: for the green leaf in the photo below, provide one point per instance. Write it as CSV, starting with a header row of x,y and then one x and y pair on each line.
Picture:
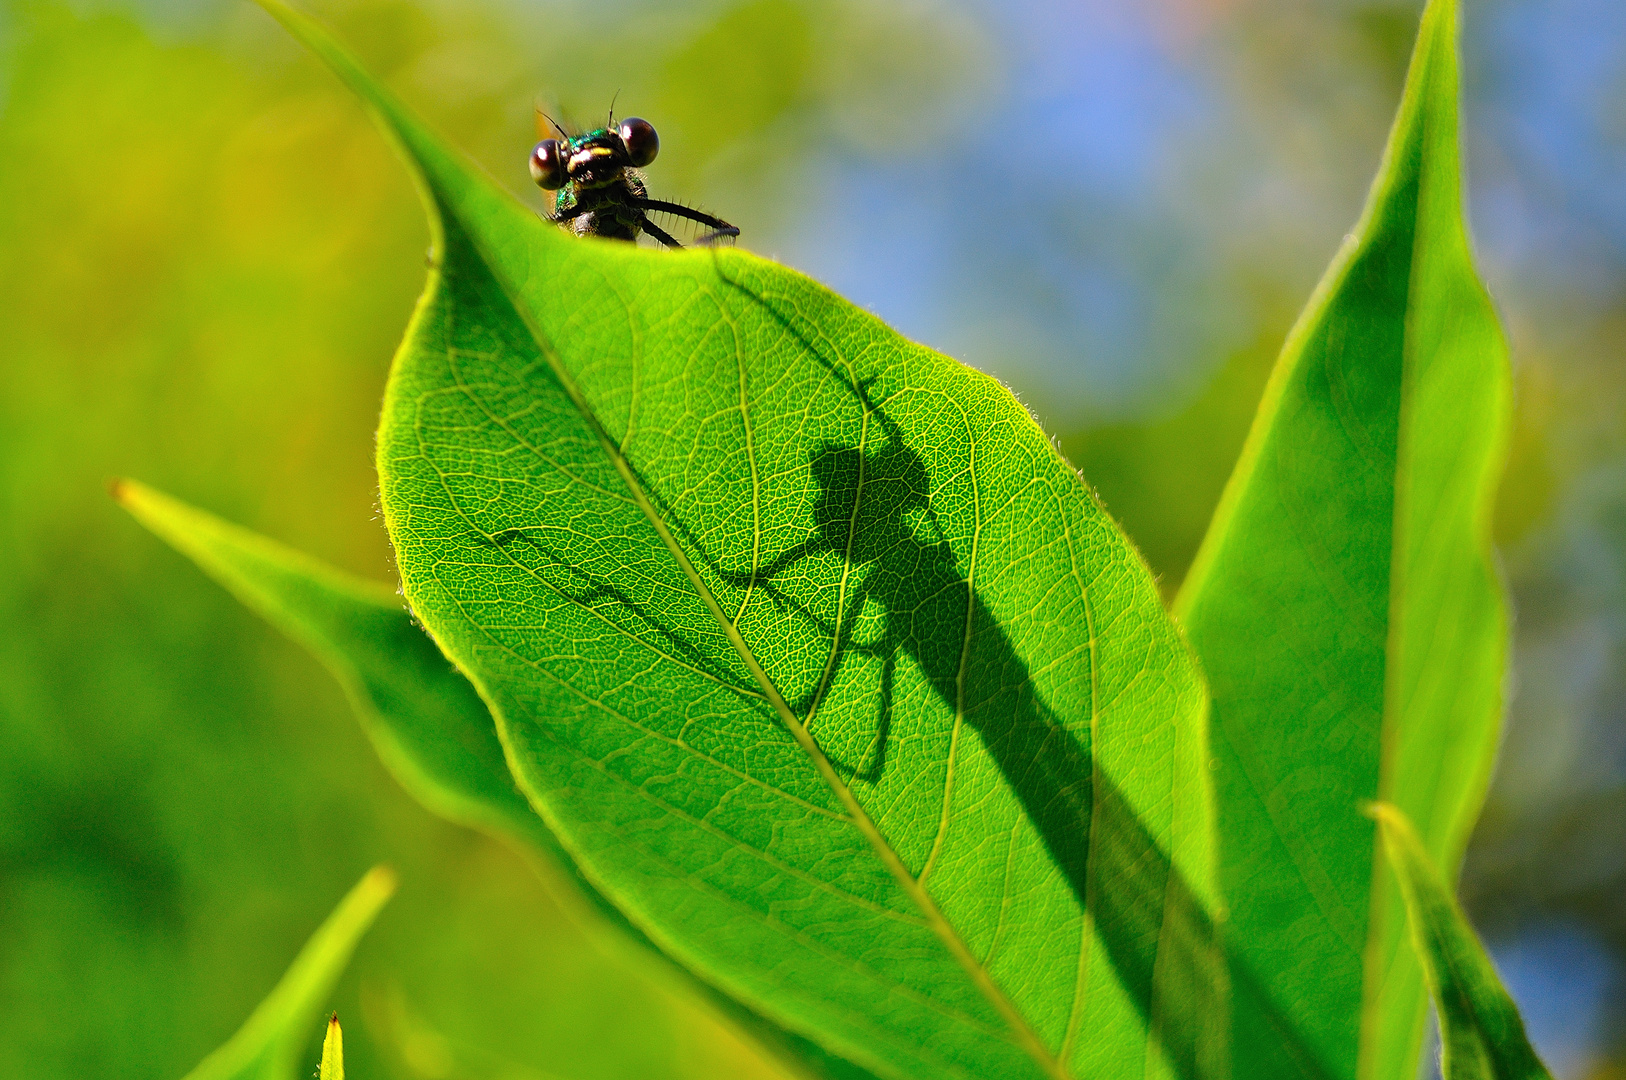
x,y
268,1045
332,1066
1481,1034
425,720
1345,603
807,645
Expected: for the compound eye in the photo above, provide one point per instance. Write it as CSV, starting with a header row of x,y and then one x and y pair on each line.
x,y
548,165
640,139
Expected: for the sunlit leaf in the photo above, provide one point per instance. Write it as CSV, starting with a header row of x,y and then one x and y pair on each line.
x,y
268,1045
1345,602
807,645
1481,1034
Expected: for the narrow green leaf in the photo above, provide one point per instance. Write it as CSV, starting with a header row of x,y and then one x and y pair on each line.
x,y
1345,602
268,1045
807,645
1481,1034
332,1067
425,720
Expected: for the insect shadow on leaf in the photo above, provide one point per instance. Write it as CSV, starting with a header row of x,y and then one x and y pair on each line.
x,y
873,509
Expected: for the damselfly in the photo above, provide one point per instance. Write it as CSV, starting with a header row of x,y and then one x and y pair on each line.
x,y
600,189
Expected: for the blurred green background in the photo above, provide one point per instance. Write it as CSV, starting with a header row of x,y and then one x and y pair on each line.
x,y
207,255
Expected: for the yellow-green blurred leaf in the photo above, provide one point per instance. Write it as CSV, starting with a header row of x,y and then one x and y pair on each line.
x,y
425,720
267,1046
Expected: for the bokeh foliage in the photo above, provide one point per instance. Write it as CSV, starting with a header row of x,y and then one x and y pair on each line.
x,y
207,256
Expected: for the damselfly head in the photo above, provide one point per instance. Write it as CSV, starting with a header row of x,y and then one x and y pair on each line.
x,y
595,157
600,190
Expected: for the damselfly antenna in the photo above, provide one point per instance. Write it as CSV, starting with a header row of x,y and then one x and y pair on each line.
x,y
562,133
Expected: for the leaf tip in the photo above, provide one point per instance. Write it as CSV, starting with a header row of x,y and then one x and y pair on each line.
x,y
381,880
332,1067
1391,820
133,495
1376,809
141,501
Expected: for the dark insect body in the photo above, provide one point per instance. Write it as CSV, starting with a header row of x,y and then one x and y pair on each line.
x,y
601,191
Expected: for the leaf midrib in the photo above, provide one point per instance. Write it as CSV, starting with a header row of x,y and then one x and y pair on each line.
x,y
945,931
